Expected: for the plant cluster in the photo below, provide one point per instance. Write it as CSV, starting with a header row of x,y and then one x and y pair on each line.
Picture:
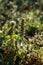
x,y
21,32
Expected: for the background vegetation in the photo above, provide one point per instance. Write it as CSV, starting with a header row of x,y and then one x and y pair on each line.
x,y
21,32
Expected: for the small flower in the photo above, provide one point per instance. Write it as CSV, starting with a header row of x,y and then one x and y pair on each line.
x,y
21,44
37,12
30,18
1,31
